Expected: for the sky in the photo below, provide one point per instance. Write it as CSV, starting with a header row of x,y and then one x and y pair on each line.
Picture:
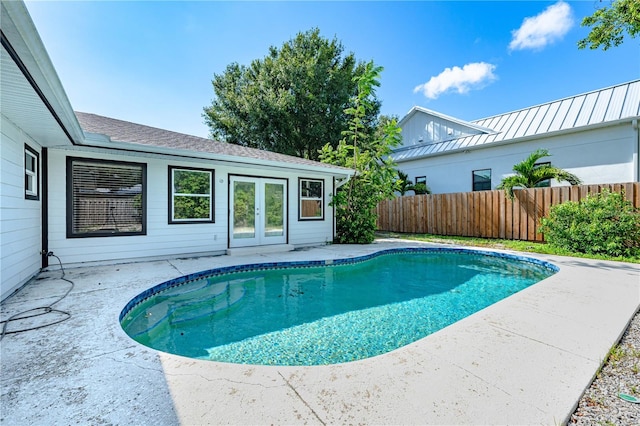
x,y
152,62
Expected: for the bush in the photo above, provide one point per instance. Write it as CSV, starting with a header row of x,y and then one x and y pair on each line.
x,y
420,188
604,223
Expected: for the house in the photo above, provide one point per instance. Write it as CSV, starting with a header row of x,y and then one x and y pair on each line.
x,y
593,135
89,188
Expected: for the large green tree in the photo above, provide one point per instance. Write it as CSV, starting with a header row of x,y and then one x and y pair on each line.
x,y
367,153
529,173
610,23
292,101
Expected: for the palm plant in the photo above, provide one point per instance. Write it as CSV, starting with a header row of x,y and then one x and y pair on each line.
x,y
529,174
405,183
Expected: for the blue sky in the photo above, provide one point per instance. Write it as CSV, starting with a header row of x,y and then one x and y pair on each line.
x,y
152,62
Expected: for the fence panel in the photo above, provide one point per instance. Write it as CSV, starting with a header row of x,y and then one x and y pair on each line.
x,y
487,213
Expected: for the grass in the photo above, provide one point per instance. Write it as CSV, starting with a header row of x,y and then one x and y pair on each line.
x,y
515,245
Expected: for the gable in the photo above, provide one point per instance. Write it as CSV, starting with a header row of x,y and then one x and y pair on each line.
x,y
423,126
603,107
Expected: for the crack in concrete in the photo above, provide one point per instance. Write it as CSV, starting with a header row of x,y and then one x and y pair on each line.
x,y
175,267
217,379
135,365
302,399
113,352
541,342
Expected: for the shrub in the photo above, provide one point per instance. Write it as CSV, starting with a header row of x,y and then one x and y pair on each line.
x,y
604,223
421,188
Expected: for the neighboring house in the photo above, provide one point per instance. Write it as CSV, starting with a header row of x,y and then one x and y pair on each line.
x,y
593,135
95,189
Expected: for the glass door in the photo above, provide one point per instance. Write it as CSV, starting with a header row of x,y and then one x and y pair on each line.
x,y
257,211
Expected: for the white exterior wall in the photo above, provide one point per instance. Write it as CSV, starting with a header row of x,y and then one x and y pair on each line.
x,y
20,219
604,155
163,239
425,128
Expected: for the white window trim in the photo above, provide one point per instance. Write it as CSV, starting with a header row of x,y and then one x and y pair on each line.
x,y
172,195
301,199
31,174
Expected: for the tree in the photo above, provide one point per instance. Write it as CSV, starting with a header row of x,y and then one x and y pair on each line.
x,y
529,174
367,154
609,24
292,101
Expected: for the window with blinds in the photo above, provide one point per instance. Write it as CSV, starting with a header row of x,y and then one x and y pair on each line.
x,y
311,199
105,198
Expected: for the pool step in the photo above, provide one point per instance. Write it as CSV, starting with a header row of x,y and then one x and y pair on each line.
x,y
172,303
203,308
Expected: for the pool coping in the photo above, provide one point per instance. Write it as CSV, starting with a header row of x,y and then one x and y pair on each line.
x,y
526,359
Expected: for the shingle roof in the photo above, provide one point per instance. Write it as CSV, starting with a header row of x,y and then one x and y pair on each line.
x,y
593,108
124,131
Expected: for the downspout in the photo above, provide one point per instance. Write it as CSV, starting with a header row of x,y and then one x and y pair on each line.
x,y
636,159
44,207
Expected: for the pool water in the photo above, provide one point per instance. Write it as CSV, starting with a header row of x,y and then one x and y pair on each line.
x,y
310,314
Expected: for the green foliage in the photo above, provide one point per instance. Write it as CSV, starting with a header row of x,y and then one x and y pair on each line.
x,y
609,24
529,174
188,188
421,188
604,223
367,154
292,101
403,182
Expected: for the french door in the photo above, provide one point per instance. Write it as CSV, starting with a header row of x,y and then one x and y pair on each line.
x,y
257,211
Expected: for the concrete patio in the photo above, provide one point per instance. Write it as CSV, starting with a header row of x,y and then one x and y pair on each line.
x,y
524,360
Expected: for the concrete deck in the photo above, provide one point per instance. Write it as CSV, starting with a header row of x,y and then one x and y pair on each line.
x,y
524,360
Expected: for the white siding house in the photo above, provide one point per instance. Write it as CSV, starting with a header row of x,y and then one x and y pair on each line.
x,y
95,189
593,135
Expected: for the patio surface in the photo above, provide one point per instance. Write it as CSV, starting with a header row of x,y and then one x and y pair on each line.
x,y
524,360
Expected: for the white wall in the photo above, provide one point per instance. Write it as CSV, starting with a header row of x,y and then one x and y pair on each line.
x,y
163,239
426,128
20,219
604,155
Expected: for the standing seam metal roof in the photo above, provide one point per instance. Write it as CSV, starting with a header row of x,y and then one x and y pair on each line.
x,y
597,107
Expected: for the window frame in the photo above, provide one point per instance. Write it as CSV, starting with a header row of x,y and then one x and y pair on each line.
x,y
70,198
34,175
212,179
420,179
301,199
474,184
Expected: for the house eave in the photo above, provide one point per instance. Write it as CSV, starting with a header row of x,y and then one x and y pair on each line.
x,y
613,123
29,74
105,144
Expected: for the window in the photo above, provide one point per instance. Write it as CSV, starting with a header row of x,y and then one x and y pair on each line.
x,y
482,180
311,199
31,181
105,198
421,179
547,182
190,195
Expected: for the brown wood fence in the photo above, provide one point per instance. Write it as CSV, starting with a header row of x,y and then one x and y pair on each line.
x,y
488,214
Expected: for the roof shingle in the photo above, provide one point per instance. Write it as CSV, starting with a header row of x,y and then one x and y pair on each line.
x,y
124,131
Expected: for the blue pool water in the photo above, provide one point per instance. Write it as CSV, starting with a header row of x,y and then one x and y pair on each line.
x,y
313,313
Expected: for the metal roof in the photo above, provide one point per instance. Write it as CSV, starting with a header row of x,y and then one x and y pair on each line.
x,y
594,108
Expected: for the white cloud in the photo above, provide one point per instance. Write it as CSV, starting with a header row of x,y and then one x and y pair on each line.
x,y
461,80
538,31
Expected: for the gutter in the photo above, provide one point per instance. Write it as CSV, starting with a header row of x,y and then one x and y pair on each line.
x,y
518,140
103,143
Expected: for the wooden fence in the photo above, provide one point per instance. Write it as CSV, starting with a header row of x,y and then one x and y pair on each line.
x,y
488,214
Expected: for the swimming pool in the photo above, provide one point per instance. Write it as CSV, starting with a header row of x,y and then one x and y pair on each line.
x,y
323,312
